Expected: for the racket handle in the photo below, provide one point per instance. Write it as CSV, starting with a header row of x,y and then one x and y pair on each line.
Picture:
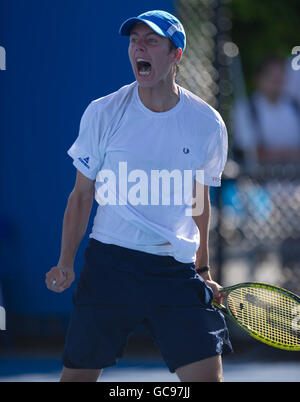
x,y
220,307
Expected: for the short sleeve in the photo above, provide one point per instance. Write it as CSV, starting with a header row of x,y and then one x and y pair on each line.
x,y
85,151
216,157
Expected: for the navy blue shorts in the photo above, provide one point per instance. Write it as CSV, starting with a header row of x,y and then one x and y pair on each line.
x,y
119,289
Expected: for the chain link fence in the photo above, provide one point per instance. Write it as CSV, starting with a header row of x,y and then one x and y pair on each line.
x,y
260,226
255,225
204,69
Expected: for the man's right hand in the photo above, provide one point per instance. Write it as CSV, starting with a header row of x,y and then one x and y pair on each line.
x,y
76,219
60,278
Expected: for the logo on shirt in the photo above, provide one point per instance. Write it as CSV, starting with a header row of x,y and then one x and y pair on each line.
x,y
216,179
85,162
186,151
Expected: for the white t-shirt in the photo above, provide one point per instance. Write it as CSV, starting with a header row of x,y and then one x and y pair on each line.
x,y
119,131
278,124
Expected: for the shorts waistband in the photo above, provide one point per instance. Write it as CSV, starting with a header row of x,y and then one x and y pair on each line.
x,y
139,256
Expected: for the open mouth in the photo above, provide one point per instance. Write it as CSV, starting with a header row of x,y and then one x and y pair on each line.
x,y
143,67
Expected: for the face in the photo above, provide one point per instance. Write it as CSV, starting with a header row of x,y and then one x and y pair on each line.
x,y
150,56
271,81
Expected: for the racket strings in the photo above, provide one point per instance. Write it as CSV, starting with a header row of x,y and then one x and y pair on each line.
x,y
271,315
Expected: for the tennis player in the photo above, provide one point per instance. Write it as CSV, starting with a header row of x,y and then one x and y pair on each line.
x,y
147,262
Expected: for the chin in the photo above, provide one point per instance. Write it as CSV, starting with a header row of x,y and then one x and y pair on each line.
x,y
144,84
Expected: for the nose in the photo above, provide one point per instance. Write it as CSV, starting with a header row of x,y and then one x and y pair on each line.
x,y
140,44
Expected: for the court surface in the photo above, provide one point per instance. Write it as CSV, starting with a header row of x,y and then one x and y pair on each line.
x,y
48,370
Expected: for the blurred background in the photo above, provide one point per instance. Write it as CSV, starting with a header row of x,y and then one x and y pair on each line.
x,y
56,57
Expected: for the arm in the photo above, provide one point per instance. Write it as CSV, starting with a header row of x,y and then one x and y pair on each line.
x,y
283,155
75,223
203,222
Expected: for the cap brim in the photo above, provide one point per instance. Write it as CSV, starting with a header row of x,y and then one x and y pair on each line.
x,y
127,26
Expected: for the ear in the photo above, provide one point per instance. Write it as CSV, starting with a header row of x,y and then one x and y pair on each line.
x,y
178,54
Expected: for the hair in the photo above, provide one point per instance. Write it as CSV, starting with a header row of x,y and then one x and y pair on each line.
x,y
176,66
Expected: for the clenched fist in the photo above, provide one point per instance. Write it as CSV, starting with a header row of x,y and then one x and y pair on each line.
x,y
59,278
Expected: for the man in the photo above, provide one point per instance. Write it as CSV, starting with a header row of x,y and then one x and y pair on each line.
x,y
268,129
140,264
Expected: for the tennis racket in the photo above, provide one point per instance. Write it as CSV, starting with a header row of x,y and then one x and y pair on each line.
x,y
268,313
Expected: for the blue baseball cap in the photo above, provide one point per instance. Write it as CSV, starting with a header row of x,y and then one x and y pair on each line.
x,y
163,23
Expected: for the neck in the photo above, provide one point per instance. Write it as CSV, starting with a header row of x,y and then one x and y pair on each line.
x,y
160,98
271,98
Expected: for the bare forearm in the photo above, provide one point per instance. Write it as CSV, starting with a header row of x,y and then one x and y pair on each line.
x,y
203,222
202,255
274,155
74,227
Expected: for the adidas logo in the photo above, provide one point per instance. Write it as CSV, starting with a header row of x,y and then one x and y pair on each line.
x,y
85,162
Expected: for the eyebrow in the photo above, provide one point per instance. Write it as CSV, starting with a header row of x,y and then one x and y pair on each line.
x,y
148,34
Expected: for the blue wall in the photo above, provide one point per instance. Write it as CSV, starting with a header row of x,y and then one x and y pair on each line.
x,y
60,56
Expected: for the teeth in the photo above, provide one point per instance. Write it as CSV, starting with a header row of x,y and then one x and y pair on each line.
x,y
144,69
144,72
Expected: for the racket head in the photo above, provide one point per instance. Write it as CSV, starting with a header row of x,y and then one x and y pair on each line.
x,y
268,313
